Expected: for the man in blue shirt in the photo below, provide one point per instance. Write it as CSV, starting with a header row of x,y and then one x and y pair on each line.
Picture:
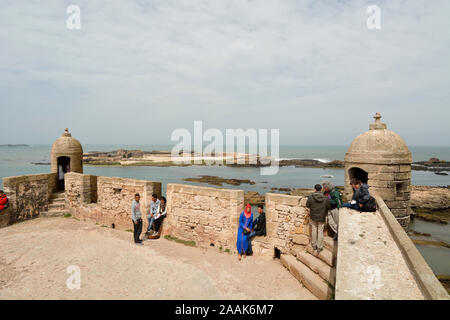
x,y
154,209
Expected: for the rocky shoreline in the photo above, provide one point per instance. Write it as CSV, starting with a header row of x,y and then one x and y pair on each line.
x,y
124,157
219,181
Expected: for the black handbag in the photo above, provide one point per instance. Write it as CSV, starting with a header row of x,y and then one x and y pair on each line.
x,y
246,233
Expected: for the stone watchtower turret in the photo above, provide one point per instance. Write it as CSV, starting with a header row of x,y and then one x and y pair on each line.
x,y
382,159
67,155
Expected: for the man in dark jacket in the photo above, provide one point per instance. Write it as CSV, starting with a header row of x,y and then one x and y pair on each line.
x,y
259,228
360,195
318,205
260,224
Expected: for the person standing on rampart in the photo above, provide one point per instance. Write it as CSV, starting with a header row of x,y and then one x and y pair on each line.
x,y
136,217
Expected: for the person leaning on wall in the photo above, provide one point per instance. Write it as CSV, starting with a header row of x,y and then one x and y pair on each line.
x,y
159,218
4,202
332,193
153,212
259,229
245,227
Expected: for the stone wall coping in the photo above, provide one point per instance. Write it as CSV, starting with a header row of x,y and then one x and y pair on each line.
x,y
118,180
205,191
77,174
429,284
283,199
29,177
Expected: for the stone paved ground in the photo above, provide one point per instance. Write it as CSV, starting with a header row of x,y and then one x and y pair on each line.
x,y
34,256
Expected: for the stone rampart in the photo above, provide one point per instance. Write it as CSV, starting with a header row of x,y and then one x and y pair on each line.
x,y
208,216
287,223
28,195
107,200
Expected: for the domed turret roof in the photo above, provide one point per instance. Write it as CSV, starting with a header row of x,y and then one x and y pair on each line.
x,y
379,146
66,144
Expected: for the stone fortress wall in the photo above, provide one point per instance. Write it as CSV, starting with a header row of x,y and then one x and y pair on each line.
x,y
28,196
209,216
105,200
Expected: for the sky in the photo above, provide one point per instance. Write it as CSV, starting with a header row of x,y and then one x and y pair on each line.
x,y
138,70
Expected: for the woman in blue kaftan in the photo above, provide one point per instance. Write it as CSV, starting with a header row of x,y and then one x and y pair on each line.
x,y
245,223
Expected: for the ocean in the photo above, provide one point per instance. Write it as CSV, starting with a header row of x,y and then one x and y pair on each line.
x,y
18,161
15,161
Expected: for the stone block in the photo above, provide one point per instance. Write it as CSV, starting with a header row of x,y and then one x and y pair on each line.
x,y
381,176
402,176
397,204
388,169
405,168
300,239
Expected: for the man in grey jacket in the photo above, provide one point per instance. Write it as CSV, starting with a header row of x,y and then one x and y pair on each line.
x,y
136,216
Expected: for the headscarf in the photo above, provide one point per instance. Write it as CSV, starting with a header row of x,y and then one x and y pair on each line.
x,y
328,184
248,215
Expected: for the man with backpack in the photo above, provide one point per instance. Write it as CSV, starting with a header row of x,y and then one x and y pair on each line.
x,y
318,206
4,202
361,200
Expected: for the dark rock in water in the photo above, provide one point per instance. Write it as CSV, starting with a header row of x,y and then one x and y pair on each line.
x,y
441,173
254,198
281,189
445,280
417,233
311,163
431,216
218,181
433,164
14,145
41,163
431,243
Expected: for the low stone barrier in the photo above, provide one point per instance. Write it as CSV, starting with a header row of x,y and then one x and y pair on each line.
x,y
286,222
208,216
4,218
429,284
107,200
28,195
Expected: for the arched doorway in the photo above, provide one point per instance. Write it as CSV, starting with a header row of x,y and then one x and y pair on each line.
x,y
359,174
63,167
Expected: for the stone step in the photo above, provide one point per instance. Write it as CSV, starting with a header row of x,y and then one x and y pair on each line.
x,y
56,206
325,255
329,243
311,280
58,200
56,213
59,195
326,272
